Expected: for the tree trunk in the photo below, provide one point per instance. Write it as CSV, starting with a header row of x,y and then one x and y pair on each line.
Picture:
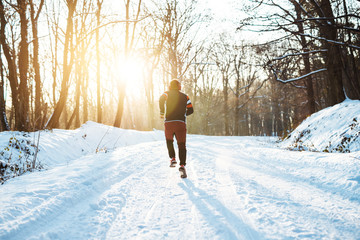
x,y
36,65
173,63
3,119
247,123
98,83
55,65
22,123
350,66
67,65
226,106
85,94
120,107
12,74
79,77
68,125
305,57
237,99
122,84
150,98
333,55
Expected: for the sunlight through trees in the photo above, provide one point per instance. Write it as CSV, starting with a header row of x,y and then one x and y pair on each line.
x,y
255,68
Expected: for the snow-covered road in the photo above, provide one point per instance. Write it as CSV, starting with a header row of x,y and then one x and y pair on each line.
x,y
237,188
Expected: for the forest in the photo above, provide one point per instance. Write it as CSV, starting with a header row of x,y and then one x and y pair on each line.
x,y
259,69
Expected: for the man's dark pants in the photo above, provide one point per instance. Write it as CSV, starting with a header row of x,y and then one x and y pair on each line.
x,y
178,129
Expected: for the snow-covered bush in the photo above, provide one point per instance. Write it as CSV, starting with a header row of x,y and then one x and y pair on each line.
x,y
347,139
17,156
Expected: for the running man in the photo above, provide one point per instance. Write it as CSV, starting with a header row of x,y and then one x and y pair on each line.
x,y
178,106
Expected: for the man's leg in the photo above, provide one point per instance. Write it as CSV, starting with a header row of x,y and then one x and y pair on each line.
x,y
169,135
170,147
180,135
182,153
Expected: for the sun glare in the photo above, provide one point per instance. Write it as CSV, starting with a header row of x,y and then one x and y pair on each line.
x,y
131,72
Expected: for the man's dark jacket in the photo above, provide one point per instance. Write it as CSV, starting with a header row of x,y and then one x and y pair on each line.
x,y
178,106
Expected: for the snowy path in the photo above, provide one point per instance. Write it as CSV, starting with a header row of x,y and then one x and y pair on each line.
x,y
237,188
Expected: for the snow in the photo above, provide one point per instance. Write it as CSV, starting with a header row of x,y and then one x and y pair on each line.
x,y
334,129
61,146
101,182
301,77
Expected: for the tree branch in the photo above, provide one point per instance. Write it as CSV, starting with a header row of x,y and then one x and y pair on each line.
x,y
298,54
298,78
331,41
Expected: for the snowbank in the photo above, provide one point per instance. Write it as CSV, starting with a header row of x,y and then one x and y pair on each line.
x,y
57,147
333,129
64,145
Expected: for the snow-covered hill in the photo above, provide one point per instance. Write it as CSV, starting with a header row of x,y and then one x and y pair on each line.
x,y
108,183
334,129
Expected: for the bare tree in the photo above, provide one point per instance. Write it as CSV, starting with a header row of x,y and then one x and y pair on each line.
x,y
315,28
245,77
53,24
18,82
223,59
306,60
129,43
23,65
68,58
98,61
34,16
9,55
179,19
3,118
328,31
153,38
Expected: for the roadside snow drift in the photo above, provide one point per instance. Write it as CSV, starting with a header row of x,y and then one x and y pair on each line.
x,y
56,147
334,129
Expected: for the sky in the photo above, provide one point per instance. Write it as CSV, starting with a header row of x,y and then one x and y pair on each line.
x,y
226,18
225,14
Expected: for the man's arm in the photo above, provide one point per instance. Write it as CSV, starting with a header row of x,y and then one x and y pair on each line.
x,y
189,107
162,100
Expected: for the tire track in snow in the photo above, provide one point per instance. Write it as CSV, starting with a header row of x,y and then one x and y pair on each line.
x,y
227,223
156,207
227,191
111,202
73,200
287,176
150,214
272,197
292,199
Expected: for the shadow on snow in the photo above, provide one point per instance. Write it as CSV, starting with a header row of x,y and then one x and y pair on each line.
x,y
234,228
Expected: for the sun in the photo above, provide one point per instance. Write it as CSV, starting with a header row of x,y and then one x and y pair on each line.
x,y
130,71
